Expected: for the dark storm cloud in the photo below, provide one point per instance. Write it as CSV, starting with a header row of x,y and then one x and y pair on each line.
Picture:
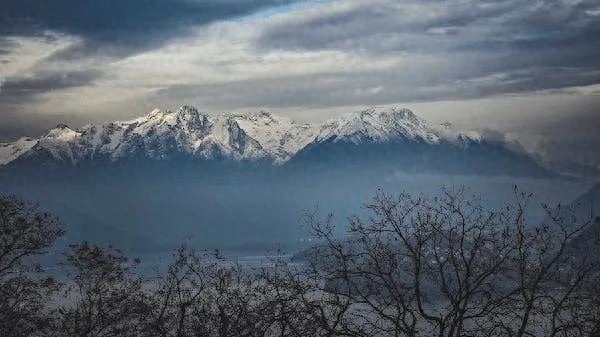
x,y
119,26
373,27
371,87
387,25
533,45
19,90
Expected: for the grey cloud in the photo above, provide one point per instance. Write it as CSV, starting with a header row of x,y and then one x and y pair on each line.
x,y
6,45
366,24
372,87
574,139
18,90
536,45
123,26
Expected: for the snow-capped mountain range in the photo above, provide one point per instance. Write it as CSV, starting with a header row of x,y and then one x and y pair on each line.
x,y
242,180
252,136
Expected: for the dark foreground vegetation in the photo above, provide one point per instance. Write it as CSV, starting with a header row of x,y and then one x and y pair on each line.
x,y
418,266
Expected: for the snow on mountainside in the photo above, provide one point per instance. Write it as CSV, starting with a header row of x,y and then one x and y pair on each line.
x,y
280,137
12,151
252,136
386,124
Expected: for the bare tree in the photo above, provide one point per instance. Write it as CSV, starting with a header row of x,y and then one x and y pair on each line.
x,y
103,296
173,294
203,295
25,234
554,280
446,266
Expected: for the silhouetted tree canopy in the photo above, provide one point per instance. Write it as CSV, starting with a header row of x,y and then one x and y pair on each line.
x,y
25,234
417,266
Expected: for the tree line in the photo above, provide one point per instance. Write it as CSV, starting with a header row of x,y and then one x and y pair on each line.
x,y
444,266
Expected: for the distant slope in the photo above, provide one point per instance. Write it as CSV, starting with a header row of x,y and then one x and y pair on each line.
x,y
588,205
396,139
584,210
389,137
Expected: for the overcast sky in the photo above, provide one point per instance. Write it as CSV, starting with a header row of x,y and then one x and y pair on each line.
x,y
529,69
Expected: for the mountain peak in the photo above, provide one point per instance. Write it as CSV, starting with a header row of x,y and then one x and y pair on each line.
x,y
62,126
393,115
188,111
379,124
192,117
261,114
63,133
386,112
154,113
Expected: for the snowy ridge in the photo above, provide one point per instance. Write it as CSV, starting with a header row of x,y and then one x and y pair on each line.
x,y
382,125
12,151
253,136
